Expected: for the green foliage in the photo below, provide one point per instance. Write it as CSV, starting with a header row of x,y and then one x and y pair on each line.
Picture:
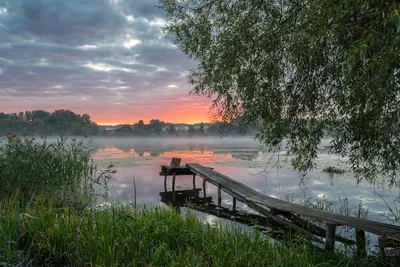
x,y
40,122
295,69
59,170
120,236
332,169
124,130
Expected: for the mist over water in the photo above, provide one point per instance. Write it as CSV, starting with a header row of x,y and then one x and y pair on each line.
x,y
245,160
242,159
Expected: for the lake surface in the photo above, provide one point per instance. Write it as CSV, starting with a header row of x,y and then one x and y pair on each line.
x,y
242,159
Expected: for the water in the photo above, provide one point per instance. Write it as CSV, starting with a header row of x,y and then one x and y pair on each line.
x,y
242,159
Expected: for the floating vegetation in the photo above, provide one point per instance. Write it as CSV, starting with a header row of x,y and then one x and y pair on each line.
x,y
334,170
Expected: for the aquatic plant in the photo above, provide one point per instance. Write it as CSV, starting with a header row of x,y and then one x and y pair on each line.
x,y
62,170
332,169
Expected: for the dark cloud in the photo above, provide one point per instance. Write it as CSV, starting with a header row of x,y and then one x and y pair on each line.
x,y
71,21
88,49
142,8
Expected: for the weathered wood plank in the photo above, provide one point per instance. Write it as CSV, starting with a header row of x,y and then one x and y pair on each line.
x,y
253,196
175,162
312,228
180,170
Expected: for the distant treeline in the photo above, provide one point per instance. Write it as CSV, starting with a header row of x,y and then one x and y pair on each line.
x,y
68,123
40,122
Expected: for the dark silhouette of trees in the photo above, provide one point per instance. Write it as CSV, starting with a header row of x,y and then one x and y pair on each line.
x,y
40,122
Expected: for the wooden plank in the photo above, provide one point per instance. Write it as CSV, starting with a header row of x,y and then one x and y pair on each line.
x,y
175,162
253,196
312,228
289,226
180,170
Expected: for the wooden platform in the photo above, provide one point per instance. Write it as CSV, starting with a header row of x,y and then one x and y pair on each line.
x,y
167,170
293,214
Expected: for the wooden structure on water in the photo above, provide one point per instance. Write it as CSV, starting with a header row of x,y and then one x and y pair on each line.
x,y
279,214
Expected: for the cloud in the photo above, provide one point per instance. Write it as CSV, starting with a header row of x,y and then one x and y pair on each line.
x,y
108,51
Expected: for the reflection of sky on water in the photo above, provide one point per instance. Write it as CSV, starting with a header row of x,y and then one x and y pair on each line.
x,y
241,159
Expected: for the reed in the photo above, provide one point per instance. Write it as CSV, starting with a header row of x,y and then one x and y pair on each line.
x,y
61,170
42,235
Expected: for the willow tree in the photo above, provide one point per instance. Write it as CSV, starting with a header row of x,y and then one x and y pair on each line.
x,y
299,70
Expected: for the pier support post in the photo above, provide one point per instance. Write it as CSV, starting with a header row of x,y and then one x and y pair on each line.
x,y
219,196
330,236
194,181
361,245
381,245
165,183
173,187
234,203
219,200
204,188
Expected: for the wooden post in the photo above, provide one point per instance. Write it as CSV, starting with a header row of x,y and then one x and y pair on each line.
x,y
330,236
204,188
173,187
219,200
219,195
381,245
165,183
194,181
234,203
361,245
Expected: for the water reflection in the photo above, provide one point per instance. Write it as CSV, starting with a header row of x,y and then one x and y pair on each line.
x,y
244,160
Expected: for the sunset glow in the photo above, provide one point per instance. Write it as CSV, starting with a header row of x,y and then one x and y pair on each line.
x,y
122,70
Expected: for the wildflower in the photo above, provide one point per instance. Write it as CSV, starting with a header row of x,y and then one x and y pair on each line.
x,y
18,140
73,139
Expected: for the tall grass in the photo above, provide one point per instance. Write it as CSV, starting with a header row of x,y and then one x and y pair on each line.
x,y
59,170
120,236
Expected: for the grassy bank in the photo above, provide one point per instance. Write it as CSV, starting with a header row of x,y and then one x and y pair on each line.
x,y
121,236
40,227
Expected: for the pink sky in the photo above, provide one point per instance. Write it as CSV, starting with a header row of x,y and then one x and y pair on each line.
x,y
108,59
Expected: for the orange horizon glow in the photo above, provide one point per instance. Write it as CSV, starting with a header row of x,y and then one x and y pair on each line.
x,y
193,109
190,119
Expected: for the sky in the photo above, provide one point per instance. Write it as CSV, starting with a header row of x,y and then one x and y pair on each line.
x,y
106,58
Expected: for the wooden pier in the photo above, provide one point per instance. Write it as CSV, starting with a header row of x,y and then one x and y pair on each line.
x,y
292,218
